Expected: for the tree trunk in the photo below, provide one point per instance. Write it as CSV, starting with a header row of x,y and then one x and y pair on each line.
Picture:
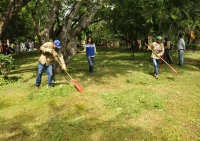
x,y
36,26
68,23
69,32
50,22
71,28
13,9
44,35
71,49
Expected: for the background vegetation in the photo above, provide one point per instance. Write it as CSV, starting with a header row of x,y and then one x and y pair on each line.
x,y
105,20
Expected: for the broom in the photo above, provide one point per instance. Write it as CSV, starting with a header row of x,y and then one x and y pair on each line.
x,y
78,86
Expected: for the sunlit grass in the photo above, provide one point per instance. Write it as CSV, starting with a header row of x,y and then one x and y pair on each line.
x,y
121,102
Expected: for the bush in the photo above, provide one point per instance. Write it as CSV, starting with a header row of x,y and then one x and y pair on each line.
x,y
193,47
6,63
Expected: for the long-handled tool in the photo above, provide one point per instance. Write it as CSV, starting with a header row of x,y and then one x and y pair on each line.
x,y
78,86
163,60
171,58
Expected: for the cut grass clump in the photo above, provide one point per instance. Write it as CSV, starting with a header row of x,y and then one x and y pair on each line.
x,y
133,101
48,93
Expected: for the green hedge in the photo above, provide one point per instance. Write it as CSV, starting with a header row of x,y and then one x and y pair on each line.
x,y
193,46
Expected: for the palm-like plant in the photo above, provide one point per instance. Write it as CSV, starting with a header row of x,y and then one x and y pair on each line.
x,y
175,14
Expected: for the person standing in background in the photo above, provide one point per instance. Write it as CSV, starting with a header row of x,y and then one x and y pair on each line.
x,y
32,45
5,48
16,49
23,48
167,56
181,49
27,45
1,48
90,53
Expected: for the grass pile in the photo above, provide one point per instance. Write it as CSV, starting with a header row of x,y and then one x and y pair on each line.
x,y
121,102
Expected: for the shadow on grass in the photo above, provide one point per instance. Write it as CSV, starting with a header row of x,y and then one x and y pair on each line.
x,y
73,126
111,64
119,61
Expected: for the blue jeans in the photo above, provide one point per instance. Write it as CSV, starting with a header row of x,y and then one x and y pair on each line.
x,y
49,71
156,64
91,63
181,57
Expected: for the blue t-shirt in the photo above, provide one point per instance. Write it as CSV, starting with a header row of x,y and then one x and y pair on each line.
x,y
90,50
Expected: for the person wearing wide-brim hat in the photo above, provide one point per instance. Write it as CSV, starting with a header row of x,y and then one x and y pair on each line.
x,y
157,52
50,52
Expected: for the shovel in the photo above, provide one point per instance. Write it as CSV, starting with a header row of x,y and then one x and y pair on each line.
x,y
78,86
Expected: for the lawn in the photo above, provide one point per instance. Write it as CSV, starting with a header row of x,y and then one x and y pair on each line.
x,y
121,102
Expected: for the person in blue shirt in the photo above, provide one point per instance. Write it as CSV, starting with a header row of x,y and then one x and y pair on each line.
x,y
90,53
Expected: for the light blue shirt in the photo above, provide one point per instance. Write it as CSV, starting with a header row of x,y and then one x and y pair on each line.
x,y
181,44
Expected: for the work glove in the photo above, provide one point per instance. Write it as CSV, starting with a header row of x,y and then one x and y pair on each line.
x,y
159,55
55,54
149,48
64,67
49,50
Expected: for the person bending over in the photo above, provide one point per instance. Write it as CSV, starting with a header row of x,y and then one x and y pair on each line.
x,y
50,52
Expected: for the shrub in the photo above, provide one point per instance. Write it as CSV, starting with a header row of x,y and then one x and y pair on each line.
x,y
193,47
6,63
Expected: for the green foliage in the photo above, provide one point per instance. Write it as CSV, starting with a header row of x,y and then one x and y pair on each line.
x,y
137,19
193,47
6,63
4,81
3,5
18,29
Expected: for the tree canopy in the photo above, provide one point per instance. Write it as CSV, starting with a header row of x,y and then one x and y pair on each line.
x,y
129,20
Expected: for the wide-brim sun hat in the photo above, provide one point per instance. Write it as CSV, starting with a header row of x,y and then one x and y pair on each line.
x,y
57,43
158,38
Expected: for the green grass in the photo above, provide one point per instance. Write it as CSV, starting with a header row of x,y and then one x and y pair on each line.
x,y
121,102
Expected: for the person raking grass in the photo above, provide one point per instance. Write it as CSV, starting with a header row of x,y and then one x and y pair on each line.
x,y
50,51
157,52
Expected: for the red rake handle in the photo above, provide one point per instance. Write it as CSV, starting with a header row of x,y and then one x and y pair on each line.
x,y
64,70
79,87
163,60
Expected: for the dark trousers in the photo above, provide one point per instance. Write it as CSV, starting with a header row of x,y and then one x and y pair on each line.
x,y
167,56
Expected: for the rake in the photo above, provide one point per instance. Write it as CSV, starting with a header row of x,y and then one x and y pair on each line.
x,y
163,60
78,86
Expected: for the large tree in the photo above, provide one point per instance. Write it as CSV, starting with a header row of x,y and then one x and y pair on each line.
x,y
65,21
8,10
